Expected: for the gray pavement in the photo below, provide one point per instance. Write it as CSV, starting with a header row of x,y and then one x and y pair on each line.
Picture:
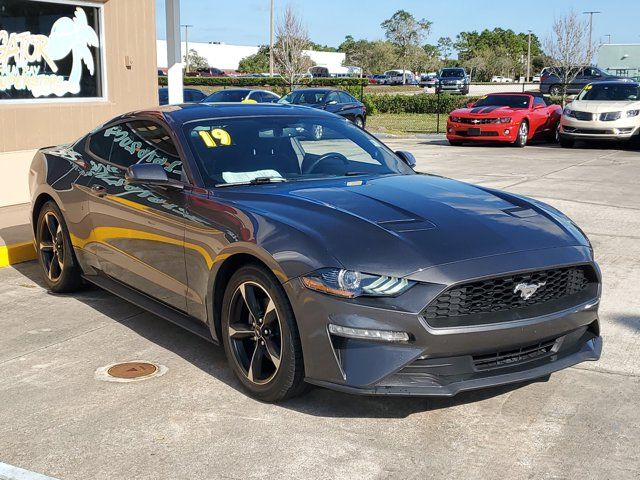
x,y
194,423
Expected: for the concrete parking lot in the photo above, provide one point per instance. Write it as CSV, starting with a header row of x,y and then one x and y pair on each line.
x,y
193,422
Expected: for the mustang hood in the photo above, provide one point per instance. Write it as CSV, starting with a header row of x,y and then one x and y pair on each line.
x,y
396,225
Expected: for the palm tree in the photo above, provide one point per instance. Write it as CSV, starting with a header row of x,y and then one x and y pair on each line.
x,y
73,36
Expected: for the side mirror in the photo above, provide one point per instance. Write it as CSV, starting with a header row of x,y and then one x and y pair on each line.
x,y
150,174
538,107
471,105
407,157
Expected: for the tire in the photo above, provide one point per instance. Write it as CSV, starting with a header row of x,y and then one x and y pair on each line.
x,y
555,90
56,257
566,142
465,91
264,353
523,135
359,122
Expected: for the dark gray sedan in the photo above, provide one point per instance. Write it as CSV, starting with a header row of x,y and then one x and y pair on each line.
x,y
314,253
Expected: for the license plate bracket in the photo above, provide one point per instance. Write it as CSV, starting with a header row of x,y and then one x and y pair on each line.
x,y
474,132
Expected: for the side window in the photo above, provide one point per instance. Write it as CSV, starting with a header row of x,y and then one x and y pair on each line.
x,y
346,98
539,101
269,97
142,142
333,97
101,144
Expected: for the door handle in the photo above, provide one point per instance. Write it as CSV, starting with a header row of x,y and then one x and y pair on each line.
x,y
99,190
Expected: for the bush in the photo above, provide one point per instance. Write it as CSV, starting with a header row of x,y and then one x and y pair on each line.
x,y
422,103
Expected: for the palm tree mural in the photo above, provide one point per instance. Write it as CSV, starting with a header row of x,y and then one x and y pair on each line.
x,y
75,36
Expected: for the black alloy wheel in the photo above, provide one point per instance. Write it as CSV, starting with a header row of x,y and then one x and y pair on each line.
x,y
55,252
260,335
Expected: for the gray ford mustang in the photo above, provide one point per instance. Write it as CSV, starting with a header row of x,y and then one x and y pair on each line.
x,y
315,254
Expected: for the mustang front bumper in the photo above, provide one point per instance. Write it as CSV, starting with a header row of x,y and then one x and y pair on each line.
x,y
441,361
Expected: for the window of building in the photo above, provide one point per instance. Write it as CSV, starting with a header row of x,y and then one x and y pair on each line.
x,y
50,50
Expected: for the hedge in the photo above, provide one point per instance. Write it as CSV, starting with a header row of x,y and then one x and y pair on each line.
x,y
421,103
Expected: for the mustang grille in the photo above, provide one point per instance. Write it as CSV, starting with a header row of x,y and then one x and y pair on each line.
x,y
498,294
511,357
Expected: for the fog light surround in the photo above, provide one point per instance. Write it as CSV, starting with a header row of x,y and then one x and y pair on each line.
x,y
507,131
368,334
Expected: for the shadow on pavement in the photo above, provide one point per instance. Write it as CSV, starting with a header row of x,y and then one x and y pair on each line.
x,y
211,359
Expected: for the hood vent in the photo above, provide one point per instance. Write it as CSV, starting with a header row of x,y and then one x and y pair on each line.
x,y
407,225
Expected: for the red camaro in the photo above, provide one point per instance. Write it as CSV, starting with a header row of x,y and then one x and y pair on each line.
x,y
504,117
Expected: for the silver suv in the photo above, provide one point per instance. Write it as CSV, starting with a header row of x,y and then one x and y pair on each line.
x,y
453,80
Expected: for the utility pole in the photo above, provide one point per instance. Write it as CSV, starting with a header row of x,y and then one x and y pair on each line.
x,y
186,40
608,35
271,42
528,60
591,14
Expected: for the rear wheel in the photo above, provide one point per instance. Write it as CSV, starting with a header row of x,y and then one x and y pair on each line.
x,y
523,135
555,90
55,252
261,337
359,122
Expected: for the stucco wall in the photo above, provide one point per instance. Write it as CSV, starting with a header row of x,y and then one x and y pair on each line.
x,y
129,27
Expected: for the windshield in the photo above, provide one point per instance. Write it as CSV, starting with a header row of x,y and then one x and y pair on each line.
x,y
513,101
241,150
306,97
452,73
228,96
611,92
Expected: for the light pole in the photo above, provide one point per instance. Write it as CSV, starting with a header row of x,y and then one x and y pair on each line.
x,y
271,42
591,14
186,40
608,35
529,59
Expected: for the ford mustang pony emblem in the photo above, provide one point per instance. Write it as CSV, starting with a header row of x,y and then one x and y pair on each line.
x,y
528,290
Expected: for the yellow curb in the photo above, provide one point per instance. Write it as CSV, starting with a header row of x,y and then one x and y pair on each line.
x,y
16,253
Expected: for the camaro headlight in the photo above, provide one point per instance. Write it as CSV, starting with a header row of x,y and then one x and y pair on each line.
x,y
454,119
505,120
350,284
633,113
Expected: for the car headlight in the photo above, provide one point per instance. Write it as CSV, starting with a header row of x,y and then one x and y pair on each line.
x,y
504,120
350,284
633,113
454,119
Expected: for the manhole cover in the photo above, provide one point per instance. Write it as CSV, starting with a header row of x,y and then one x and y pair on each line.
x,y
132,370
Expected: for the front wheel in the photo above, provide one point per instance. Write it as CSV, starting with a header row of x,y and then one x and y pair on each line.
x,y
555,90
359,122
260,336
523,135
55,252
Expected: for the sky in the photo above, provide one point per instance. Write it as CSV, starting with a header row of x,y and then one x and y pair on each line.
x,y
246,22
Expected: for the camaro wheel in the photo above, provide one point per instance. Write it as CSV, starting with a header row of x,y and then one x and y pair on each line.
x,y
260,336
523,135
55,252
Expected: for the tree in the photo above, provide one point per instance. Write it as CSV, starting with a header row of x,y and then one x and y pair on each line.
x,y
292,39
196,61
445,46
256,63
569,48
373,57
320,48
405,32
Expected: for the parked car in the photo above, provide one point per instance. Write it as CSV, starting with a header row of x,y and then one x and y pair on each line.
x,y
208,72
428,80
501,79
334,101
327,261
504,117
551,81
396,77
246,95
536,78
381,79
602,111
191,95
453,80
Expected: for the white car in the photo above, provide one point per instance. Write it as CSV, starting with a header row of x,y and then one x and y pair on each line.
x,y
602,111
501,79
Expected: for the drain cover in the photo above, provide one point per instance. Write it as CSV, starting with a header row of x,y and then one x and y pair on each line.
x,y
131,370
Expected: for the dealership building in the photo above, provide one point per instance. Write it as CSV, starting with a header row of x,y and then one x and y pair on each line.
x,y
620,59
66,66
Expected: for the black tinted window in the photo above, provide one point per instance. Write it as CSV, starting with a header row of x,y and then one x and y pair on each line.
x,y
346,98
138,142
100,145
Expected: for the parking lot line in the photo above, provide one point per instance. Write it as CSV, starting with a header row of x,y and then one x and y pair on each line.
x,y
9,472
